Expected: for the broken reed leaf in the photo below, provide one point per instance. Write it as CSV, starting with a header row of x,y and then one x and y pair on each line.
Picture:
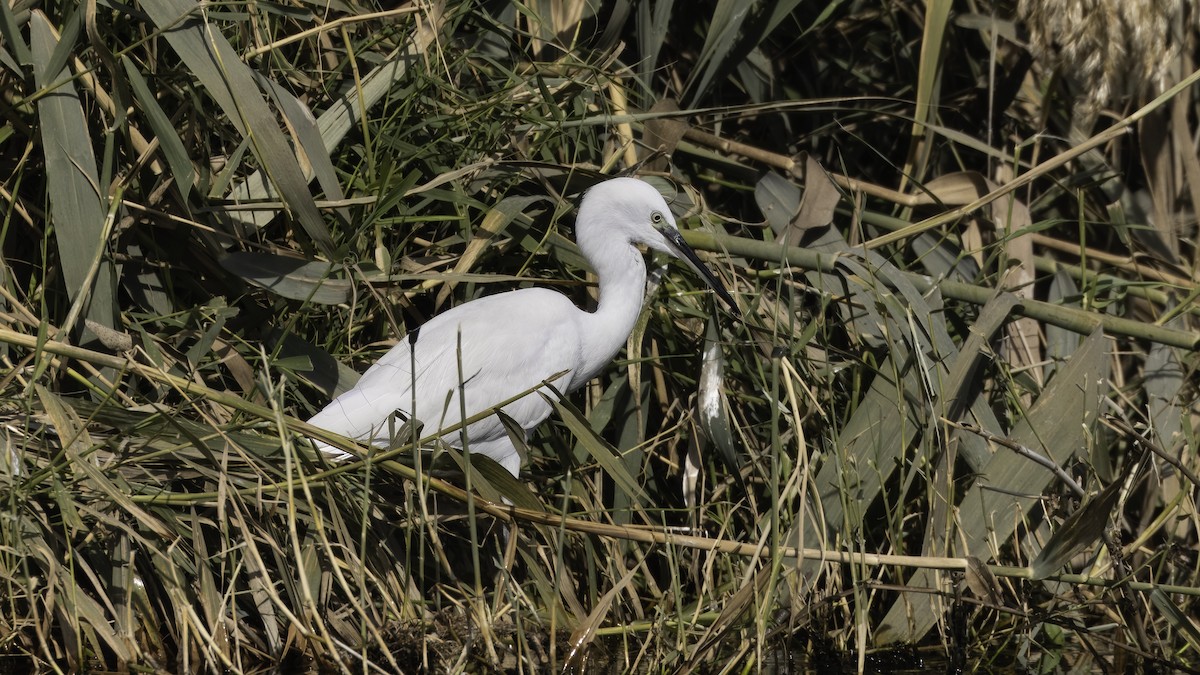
x,y
1081,529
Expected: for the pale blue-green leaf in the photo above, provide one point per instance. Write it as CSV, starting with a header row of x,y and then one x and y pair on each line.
x,y
326,373
778,199
604,409
653,24
737,28
961,395
1181,622
1057,426
933,346
480,483
301,120
293,363
504,482
616,16
21,56
1061,343
1083,528
830,7
292,278
260,585
220,313
754,76
910,384
76,198
1164,382
164,130
861,316
630,431
230,82
783,8
604,454
943,259
964,381
56,63
149,292
9,62
882,427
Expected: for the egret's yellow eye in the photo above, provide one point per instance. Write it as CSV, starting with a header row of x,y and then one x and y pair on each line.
x,y
656,217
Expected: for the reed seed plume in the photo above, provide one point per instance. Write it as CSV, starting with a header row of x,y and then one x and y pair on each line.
x,y
1109,49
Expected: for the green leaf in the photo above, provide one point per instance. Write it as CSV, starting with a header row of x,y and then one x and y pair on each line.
x,y
301,121
724,29
76,197
14,40
604,454
1060,342
505,483
653,27
1182,623
1056,426
779,200
231,83
1166,380
325,372
164,130
292,278
1082,529
56,63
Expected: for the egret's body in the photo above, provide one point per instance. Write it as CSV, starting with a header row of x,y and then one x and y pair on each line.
x,y
497,347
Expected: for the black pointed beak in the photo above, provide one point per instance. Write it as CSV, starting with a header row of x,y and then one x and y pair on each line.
x,y
686,254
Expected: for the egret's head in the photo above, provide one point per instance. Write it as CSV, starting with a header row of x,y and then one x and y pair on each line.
x,y
633,210
625,208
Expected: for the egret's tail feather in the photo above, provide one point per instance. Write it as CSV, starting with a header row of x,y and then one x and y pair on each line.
x,y
333,453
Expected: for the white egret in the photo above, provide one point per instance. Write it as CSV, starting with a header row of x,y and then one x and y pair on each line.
x,y
512,342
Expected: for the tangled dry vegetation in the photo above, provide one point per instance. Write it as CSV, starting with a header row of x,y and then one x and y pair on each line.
x,y
960,415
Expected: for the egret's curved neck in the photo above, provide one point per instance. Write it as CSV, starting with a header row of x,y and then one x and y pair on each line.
x,y
622,273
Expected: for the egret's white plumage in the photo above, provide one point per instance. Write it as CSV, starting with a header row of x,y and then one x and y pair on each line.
x,y
512,342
